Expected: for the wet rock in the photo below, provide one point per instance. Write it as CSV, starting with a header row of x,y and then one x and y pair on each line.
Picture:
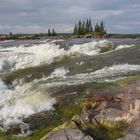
x,y
14,129
17,128
37,120
68,134
85,117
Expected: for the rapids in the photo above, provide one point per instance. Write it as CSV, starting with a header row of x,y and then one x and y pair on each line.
x,y
67,63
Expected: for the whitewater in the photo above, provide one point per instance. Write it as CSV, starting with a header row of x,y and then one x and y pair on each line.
x,y
95,61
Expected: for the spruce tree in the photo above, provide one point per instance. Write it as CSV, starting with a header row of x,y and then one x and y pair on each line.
x,y
53,32
97,28
49,32
102,27
75,30
79,27
91,29
83,27
10,34
87,26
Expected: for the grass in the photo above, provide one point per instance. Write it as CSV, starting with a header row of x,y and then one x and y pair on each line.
x,y
104,129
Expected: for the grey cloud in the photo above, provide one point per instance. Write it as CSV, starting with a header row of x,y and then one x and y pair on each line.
x,y
31,16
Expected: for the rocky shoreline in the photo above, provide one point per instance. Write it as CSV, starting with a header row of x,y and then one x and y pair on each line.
x,y
105,111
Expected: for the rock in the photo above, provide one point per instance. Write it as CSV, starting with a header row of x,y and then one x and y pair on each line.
x,y
85,117
118,97
17,128
101,106
135,130
110,114
130,137
68,134
14,128
37,120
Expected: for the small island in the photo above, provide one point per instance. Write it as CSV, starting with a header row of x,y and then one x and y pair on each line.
x,y
83,29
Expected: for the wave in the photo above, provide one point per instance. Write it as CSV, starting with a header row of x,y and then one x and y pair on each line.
x,y
22,101
124,46
59,72
92,48
24,57
21,57
6,41
106,74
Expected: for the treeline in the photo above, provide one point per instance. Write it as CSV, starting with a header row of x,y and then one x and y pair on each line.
x,y
84,27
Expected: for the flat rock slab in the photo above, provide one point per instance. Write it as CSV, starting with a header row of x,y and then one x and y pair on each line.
x,y
68,134
130,137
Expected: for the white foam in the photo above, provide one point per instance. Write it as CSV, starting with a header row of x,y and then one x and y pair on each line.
x,y
6,64
23,101
30,98
2,85
124,46
57,40
106,74
34,55
60,72
91,48
110,73
23,57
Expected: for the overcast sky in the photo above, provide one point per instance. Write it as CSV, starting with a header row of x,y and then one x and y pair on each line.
x,y
34,16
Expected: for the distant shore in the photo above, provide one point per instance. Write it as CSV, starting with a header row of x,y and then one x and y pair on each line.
x,y
4,37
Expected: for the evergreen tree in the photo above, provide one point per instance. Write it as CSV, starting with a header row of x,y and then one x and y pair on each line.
x,y
53,32
83,27
75,30
97,28
87,26
49,32
91,29
10,34
102,27
79,27
104,31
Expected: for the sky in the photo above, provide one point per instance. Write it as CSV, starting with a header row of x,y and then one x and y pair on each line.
x,y
35,16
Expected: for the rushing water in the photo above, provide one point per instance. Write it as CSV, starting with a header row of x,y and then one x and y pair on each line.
x,y
36,69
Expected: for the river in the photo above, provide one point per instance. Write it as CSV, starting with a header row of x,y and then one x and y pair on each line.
x,y
32,72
